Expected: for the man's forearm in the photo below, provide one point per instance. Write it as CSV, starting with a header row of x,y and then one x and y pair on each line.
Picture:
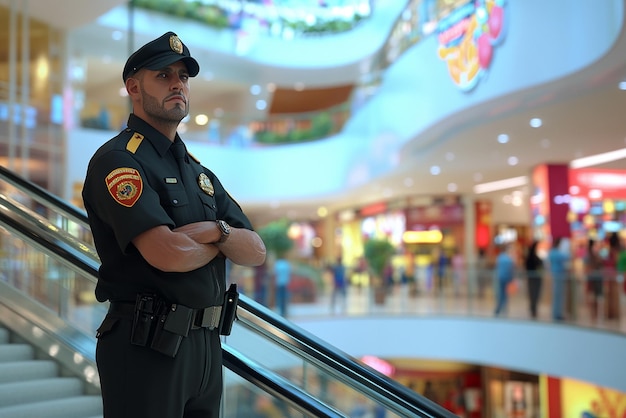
x,y
243,247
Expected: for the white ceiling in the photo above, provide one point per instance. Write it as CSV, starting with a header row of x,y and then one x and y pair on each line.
x,y
583,115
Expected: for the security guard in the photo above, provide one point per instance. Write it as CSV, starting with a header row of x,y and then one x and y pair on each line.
x,y
163,226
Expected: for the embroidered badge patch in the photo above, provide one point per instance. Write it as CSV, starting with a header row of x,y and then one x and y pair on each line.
x,y
125,185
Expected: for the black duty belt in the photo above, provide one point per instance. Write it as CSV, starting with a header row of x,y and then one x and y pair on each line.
x,y
200,318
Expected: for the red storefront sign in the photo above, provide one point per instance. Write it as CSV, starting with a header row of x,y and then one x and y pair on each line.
x,y
596,184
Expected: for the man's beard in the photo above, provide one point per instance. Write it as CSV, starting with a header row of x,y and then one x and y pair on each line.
x,y
157,110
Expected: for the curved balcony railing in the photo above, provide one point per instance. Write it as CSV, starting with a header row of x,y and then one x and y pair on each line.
x,y
273,19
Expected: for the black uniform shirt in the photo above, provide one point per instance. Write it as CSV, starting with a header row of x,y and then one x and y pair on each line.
x,y
132,185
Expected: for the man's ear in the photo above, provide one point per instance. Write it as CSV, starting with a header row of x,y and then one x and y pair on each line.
x,y
132,86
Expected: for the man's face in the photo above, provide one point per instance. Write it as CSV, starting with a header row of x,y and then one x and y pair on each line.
x,y
165,93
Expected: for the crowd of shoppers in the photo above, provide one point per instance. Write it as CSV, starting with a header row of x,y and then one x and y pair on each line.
x,y
560,279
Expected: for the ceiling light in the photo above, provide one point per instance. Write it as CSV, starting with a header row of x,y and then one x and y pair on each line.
x,y
598,159
622,85
512,160
503,138
408,182
261,104
536,122
452,187
255,89
201,119
500,185
435,170
322,212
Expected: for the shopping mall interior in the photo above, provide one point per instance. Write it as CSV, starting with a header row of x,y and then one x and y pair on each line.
x,y
410,140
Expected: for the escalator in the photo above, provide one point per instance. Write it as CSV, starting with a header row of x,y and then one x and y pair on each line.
x,y
48,272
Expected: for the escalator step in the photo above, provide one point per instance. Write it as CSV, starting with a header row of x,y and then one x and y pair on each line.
x,y
75,407
29,391
16,352
18,371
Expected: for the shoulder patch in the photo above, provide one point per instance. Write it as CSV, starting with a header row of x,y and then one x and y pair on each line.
x,y
125,185
134,142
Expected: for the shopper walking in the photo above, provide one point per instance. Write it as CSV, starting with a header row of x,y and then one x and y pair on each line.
x,y
534,274
504,275
338,295
558,261
594,271
282,275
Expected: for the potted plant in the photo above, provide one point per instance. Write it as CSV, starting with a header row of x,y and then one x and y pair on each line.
x,y
377,253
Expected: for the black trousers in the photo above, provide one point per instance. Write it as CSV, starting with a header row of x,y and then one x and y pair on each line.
x,y
534,292
138,382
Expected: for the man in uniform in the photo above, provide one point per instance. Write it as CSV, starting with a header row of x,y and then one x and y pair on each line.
x,y
163,226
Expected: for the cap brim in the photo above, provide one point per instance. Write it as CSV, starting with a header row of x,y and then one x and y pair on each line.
x,y
161,62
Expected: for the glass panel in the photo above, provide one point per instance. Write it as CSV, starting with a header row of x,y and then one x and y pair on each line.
x,y
242,399
306,375
54,285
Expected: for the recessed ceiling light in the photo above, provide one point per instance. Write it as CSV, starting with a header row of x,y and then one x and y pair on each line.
x,y
622,85
503,138
255,89
536,122
452,187
201,119
512,160
435,170
261,104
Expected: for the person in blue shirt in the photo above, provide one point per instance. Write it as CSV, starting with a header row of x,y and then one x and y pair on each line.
x,y
558,263
282,274
504,274
338,295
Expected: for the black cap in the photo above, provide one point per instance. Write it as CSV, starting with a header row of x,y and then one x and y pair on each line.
x,y
157,54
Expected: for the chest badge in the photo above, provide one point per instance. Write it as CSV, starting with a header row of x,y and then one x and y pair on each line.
x,y
205,184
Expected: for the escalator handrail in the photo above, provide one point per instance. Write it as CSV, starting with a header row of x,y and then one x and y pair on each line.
x,y
394,395
274,384
44,196
48,238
